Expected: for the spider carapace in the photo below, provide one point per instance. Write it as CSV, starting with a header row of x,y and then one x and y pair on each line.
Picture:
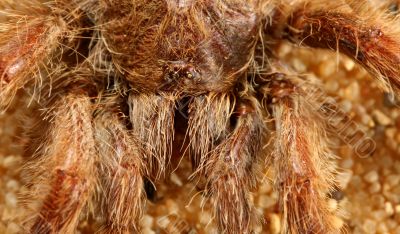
x,y
184,45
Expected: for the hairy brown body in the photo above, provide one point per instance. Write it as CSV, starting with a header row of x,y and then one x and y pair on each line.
x,y
190,46
110,75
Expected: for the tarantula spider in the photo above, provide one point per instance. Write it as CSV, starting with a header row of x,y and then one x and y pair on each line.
x,y
110,73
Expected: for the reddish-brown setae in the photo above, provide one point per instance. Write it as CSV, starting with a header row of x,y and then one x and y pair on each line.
x,y
109,76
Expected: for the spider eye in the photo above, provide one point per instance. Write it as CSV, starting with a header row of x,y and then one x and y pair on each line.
x,y
180,70
192,74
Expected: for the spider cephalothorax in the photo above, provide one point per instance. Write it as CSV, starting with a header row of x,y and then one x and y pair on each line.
x,y
209,45
109,75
